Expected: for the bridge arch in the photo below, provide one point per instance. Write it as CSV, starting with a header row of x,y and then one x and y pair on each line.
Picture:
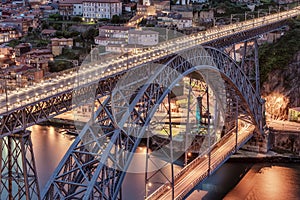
x,y
109,168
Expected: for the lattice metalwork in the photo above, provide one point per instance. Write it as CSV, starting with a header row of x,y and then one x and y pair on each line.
x,y
25,116
95,165
18,171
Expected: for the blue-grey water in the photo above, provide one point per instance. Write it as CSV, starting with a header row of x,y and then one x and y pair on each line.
x,y
232,181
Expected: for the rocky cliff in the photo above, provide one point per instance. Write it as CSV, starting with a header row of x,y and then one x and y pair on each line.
x,y
281,90
280,73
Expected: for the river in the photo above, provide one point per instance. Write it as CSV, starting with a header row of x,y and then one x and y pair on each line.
x,y
232,181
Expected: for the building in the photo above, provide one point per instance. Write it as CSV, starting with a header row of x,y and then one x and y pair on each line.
x,y
174,20
99,9
22,48
294,114
46,33
114,31
19,23
59,43
129,7
123,48
141,37
5,50
77,8
162,5
112,34
8,32
69,8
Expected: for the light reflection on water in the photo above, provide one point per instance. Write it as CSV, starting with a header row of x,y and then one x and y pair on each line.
x,y
49,146
262,181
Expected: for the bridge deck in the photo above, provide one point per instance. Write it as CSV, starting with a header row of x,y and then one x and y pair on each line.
x,y
197,170
37,103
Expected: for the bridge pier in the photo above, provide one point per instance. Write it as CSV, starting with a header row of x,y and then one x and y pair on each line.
x,y
258,143
18,172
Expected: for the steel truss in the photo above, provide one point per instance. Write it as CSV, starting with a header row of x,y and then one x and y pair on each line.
x,y
25,116
96,163
18,171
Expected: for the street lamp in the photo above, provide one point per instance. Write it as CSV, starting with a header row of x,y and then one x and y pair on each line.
x,y
248,13
6,95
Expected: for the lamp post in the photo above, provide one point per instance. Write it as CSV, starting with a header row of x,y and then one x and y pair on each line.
x,y
6,94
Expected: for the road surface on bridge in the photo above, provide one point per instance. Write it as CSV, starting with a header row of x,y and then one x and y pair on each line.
x,y
187,180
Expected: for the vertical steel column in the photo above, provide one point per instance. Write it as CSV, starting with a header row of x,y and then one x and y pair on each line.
x,y
199,104
256,60
244,56
18,171
234,53
171,145
146,167
187,129
236,124
208,129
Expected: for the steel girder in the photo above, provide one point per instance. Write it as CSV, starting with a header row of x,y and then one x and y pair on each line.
x,y
18,176
244,36
25,116
96,163
19,119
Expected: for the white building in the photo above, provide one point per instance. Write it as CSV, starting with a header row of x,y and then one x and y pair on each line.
x,y
77,9
140,37
123,48
69,8
97,9
112,35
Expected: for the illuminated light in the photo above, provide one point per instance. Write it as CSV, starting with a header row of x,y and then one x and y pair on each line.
x,y
205,156
189,154
169,187
150,184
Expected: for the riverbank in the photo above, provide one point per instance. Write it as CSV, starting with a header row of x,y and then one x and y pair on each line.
x,y
270,157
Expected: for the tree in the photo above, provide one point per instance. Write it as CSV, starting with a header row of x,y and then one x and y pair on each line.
x,y
115,19
90,34
58,66
13,43
45,25
55,17
76,19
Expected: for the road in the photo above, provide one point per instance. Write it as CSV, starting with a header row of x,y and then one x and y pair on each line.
x,y
197,170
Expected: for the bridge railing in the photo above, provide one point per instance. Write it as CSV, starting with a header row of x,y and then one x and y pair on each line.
x,y
215,166
196,162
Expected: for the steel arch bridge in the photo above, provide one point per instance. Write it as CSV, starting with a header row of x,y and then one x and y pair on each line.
x,y
79,167
96,163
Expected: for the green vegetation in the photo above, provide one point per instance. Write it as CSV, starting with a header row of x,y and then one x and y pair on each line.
x,y
55,17
77,19
279,54
13,43
57,66
67,34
